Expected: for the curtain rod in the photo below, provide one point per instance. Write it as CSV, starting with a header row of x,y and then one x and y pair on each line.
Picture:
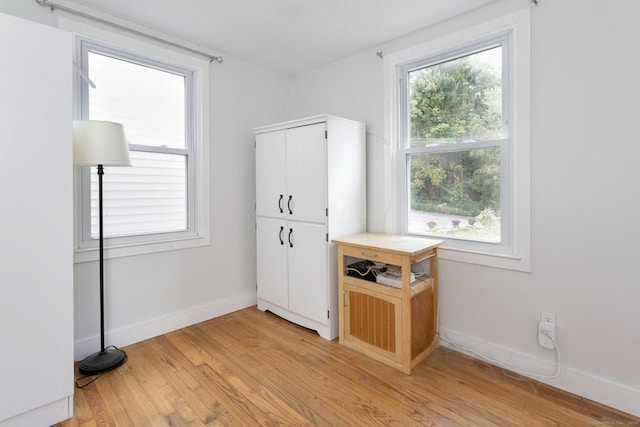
x,y
54,6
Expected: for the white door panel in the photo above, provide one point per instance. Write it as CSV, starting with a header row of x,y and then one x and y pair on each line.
x,y
306,173
308,294
272,261
271,174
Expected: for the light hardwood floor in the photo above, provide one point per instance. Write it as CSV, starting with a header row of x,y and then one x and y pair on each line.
x,y
253,368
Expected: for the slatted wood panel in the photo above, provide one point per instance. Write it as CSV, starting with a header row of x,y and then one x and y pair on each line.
x,y
252,368
373,320
422,321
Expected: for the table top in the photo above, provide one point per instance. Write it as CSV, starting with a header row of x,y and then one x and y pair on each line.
x,y
403,245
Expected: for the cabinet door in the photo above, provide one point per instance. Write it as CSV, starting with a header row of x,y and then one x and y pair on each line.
x,y
271,174
271,240
306,173
308,276
373,318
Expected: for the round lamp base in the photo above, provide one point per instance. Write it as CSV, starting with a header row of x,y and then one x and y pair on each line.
x,y
102,361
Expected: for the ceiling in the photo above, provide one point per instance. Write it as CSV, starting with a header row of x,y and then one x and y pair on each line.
x,y
289,36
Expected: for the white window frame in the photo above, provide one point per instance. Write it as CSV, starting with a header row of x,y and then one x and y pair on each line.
x,y
514,250
504,144
197,151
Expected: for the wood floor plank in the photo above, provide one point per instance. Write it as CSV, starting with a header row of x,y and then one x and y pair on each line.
x,y
351,360
290,390
524,400
281,359
524,394
268,402
263,408
145,408
253,368
189,380
403,390
278,361
186,394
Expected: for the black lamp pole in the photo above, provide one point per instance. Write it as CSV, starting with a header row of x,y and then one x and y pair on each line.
x,y
106,359
100,173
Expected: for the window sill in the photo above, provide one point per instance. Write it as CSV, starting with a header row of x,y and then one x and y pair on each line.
x,y
132,249
494,260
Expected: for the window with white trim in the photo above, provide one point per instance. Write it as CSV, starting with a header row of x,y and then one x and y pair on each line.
x,y
455,143
460,108
158,102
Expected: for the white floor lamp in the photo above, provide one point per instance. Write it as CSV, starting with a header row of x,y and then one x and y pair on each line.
x,y
98,143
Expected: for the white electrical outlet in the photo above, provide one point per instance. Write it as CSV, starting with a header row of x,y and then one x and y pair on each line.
x,y
545,316
547,330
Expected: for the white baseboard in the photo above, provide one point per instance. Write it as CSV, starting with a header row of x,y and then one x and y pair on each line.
x,y
162,325
46,415
585,384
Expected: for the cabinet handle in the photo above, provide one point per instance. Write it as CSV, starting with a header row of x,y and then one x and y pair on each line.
x,y
280,235
290,232
289,205
364,254
280,203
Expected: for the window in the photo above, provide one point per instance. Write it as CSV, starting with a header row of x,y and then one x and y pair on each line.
x,y
161,198
460,123
455,143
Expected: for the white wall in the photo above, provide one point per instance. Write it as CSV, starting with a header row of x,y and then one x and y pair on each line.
x,y
584,196
147,295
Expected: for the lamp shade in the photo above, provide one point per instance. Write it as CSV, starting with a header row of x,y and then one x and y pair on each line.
x,y
99,143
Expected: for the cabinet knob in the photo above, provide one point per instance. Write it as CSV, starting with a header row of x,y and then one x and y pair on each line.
x,y
280,203
280,235
290,233
366,255
289,205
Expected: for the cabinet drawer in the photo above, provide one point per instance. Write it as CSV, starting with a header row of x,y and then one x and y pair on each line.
x,y
373,255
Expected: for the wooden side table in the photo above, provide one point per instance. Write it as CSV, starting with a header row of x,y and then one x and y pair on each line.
x,y
395,325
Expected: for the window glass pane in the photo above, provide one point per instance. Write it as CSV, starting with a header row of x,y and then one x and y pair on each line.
x,y
150,103
457,101
148,197
455,194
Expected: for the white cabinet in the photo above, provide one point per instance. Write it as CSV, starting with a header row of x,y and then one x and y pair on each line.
x,y
310,188
36,224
